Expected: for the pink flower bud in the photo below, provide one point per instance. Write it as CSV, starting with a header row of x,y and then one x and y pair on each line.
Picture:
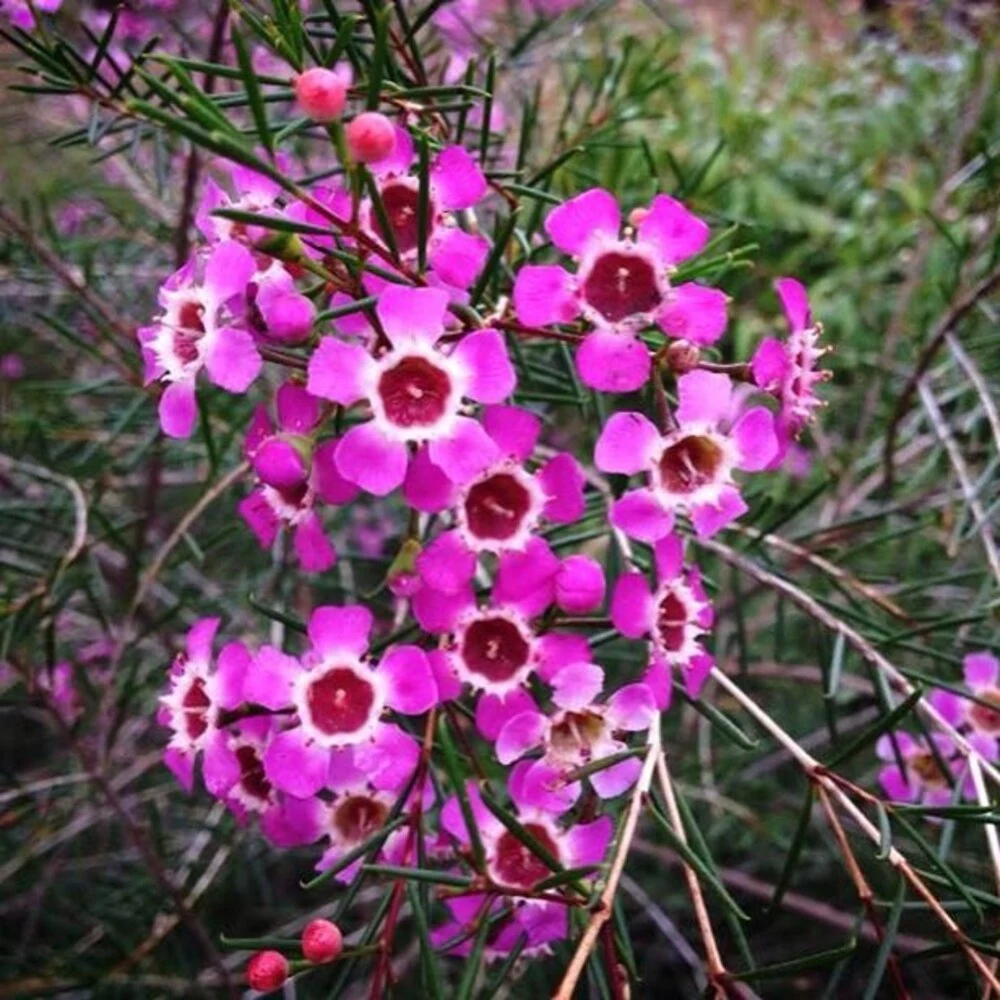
x,y
579,585
682,357
287,313
371,137
267,970
282,463
322,93
321,942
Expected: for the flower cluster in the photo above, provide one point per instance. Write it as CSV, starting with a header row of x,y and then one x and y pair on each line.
x,y
931,770
397,389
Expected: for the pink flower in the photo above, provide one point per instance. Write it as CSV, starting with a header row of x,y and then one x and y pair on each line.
x,y
621,285
285,820
789,370
196,331
199,692
580,731
415,392
499,509
21,15
689,469
337,700
982,674
508,861
294,476
674,617
926,777
455,183
355,811
496,648
62,692
534,927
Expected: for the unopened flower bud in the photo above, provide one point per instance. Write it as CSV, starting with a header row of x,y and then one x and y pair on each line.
x,y
682,357
370,137
579,585
402,577
286,247
267,970
321,942
322,93
283,461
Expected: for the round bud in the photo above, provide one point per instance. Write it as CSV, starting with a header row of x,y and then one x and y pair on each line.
x,y
321,942
682,357
370,137
283,462
321,94
579,585
267,970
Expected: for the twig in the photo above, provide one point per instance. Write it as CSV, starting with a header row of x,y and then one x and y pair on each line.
x,y
854,638
961,471
602,911
207,498
945,325
716,969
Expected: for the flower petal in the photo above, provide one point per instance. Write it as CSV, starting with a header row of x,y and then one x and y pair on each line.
x,y
389,759
694,313
577,685
269,677
562,479
337,371
334,630
704,397
519,734
331,486
447,564
613,781
632,605
294,765
642,516
178,409
412,690
627,443
981,670
632,708
367,457
543,295
573,224
613,361
229,268
312,547
426,488
456,179
795,302
755,439
491,375
412,315
676,232
467,451
711,518
457,257
514,430
233,361
494,711
587,843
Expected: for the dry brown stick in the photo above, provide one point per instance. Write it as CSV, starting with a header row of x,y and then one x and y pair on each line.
x,y
206,499
818,774
602,911
955,314
825,617
861,886
713,958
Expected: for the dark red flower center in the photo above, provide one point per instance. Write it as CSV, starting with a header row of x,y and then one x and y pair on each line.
x,y
294,495
620,285
576,733
252,778
671,619
496,506
357,817
402,204
495,649
195,706
340,701
690,463
926,767
516,865
414,392
190,330
986,719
